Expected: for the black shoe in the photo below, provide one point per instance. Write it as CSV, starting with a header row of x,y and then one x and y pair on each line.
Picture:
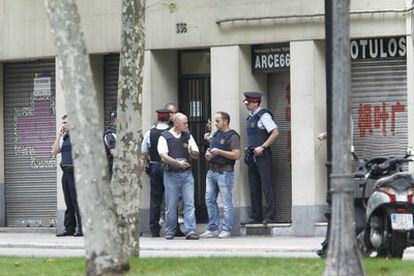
x,y
155,235
78,234
267,221
179,233
322,252
169,237
64,234
192,236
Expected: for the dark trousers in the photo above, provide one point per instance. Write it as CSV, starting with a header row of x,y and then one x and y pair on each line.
x,y
110,167
156,193
260,179
72,220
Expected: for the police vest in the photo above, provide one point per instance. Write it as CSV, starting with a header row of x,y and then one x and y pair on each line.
x,y
221,140
177,147
110,130
66,151
256,136
155,133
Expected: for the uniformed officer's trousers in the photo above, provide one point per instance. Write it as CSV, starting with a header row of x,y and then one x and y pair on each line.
x,y
156,193
72,220
260,179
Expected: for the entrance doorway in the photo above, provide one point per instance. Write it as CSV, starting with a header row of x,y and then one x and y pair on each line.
x,y
195,102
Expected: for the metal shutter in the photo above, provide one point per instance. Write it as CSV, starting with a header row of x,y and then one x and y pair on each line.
x,y
29,133
279,105
379,107
111,73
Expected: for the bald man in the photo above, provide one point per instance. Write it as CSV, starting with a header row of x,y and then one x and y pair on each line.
x,y
177,148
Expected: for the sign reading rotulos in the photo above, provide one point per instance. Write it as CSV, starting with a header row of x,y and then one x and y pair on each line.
x,y
270,58
378,48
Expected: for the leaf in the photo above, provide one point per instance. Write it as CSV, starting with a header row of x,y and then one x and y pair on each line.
x,y
172,7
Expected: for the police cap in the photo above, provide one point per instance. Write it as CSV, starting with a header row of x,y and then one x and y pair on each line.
x,y
163,114
252,97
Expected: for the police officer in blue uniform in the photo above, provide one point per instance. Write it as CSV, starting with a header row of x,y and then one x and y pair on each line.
x,y
155,171
62,145
262,132
110,141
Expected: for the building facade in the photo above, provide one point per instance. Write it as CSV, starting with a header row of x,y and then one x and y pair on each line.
x,y
203,55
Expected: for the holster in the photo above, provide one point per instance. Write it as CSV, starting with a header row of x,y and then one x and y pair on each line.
x,y
248,155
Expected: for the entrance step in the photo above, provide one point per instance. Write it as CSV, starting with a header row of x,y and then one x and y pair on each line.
x,y
279,229
44,230
260,229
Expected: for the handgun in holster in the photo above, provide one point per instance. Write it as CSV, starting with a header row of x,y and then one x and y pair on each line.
x,y
249,155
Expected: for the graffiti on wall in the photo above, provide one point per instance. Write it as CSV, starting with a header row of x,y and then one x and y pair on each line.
x,y
34,126
382,117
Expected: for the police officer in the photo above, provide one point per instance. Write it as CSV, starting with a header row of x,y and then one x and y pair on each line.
x,y
173,110
72,219
149,153
110,141
262,132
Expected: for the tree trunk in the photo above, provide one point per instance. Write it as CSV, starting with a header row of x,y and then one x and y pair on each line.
x,y
126,183
104,253
343,256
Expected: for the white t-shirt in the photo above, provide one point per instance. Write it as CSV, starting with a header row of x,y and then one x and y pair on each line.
x,y
162,146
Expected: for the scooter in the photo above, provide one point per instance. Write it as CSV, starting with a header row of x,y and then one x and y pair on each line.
x,y
388,228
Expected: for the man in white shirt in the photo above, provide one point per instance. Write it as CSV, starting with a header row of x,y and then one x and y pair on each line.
x,y
176,148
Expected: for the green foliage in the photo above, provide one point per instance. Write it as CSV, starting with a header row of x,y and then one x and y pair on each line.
x,y
199,266
172,7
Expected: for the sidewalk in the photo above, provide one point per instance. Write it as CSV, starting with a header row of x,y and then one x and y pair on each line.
x,y
47,244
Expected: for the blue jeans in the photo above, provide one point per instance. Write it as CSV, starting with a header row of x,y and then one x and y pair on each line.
x,y
223,183
176,183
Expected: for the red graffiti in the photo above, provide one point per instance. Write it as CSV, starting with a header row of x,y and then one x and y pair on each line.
x,y
287,114
394,109
364,119
380,116
287,93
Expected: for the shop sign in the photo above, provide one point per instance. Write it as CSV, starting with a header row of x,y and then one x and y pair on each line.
x,y
270,58
42,85
378,48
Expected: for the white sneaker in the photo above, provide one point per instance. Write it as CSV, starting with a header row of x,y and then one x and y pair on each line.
x,y
209,234
224,235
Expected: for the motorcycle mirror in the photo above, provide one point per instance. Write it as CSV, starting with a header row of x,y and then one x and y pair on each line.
x,y
410,151
352,149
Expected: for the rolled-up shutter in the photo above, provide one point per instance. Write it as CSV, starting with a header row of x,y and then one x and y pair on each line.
x,y
279,105
29,133
379,107
111,73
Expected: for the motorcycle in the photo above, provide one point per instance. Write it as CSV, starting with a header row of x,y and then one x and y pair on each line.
x,y
385,193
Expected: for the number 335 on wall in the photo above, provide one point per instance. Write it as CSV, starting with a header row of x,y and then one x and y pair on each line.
x,y
181,28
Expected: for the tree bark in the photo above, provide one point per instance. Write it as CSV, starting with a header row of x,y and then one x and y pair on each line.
x,y
126,183
343,256
104,253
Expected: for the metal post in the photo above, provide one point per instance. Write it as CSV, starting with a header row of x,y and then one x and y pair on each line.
x,y
343,256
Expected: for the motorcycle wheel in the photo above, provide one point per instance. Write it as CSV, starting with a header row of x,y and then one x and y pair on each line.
x,y
398,245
